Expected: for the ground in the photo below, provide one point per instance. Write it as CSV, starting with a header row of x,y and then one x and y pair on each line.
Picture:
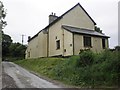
x,y
15,76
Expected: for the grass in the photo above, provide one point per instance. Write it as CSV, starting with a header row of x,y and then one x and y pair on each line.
x,y
40,65
87,69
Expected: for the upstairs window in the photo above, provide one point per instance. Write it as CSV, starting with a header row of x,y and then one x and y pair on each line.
x,y
103,43
87,41
58,44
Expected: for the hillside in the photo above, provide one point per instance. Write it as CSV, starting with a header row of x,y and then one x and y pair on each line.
x,y
85,70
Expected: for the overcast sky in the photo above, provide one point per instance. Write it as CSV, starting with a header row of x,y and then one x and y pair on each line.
x,y
28,17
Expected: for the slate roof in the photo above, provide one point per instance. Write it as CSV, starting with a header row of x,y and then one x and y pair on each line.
x,y
60,17
84,31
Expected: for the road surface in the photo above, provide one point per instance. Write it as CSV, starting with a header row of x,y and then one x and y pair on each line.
x,y
0,75
19,77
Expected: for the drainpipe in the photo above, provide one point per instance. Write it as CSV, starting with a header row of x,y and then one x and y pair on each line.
x,y
63,41
48,43
73,45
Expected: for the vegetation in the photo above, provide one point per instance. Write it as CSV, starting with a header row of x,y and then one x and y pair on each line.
x,y
3,23
87,69
98,29
12,50
8,49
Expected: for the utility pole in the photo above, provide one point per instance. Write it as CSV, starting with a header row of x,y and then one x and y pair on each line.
x,y
22,38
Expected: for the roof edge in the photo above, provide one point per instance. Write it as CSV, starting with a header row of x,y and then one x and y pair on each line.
x,y
83,33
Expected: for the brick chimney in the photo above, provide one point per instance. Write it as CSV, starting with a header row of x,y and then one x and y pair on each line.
x,y
52,17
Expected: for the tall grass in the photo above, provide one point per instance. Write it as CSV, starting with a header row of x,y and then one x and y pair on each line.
x,y
86,69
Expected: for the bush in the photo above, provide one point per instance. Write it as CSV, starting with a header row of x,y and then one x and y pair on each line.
x,y
86,58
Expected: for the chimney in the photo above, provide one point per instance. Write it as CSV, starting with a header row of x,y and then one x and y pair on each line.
x,y
52,17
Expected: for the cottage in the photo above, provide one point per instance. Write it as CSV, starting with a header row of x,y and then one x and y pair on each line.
x,y
66,35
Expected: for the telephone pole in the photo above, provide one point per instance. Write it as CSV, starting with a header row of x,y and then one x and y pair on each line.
x,y
22,38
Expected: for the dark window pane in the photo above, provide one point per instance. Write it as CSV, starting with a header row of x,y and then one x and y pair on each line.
x,y
103,43
87,41
58,44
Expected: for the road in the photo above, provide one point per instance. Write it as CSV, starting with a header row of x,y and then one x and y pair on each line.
x,y
15,76
0,75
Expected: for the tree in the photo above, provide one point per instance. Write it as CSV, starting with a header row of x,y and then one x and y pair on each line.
x,y
17,50
6,42
2,24
2,16
117,48
9,49
98,29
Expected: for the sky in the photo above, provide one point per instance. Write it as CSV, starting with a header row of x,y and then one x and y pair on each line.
x,y
28,17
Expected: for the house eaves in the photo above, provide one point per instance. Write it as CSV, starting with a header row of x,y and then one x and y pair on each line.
x,y
83,31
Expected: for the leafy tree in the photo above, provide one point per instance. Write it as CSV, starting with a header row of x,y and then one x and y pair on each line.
x,y
13,50
117,48
6,42
17,50
9,49
98,29
2,16
2,24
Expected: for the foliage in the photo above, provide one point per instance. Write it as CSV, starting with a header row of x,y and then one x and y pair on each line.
x,y
98,29
103,69
6,42
86,58
10,49
117,48
2,16
17,50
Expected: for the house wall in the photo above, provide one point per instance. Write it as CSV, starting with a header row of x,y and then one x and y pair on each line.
x,y
42,44
95,41
37,47
67,43
78,43
78,18
107,43
55,33
96,44
32,48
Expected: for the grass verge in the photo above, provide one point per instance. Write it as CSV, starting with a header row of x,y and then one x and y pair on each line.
x,y
86,70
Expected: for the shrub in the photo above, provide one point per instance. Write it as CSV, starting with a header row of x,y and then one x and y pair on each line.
x,y
86,69
86,58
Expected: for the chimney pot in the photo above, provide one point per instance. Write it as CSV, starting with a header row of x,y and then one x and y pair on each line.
x,y
29,37
52,13
52,17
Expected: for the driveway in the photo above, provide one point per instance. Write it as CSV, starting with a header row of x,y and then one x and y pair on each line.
x,y
15,76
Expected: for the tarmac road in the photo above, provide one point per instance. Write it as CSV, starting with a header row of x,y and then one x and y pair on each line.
x,y
0,75
15,76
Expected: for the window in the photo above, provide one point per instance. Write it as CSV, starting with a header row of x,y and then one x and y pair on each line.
x,y
28,54
56,37
87,41
103,43
70,44
58,44
64,50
